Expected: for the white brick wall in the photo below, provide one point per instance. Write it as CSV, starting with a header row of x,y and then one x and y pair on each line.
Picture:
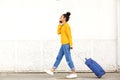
x,y
35,55
118,29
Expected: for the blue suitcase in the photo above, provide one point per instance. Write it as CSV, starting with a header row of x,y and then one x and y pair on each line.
x,y
95,67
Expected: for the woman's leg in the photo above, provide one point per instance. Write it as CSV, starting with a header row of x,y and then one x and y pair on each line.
x,y
58,59
66,49
57,62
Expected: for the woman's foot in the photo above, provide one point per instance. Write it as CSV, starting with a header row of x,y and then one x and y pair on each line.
x,y
49,72
70,76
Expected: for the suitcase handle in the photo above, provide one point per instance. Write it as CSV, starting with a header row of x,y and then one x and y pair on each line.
x,y
83,60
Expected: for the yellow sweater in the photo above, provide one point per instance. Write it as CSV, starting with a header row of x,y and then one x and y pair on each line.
x,y
66,37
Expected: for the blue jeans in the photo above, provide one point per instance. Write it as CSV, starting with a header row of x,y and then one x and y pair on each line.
x,y
64,50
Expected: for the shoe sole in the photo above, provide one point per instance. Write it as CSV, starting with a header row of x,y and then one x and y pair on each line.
x,y
48,73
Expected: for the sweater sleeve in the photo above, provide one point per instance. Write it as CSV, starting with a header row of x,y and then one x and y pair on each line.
x,y
59,29
69,35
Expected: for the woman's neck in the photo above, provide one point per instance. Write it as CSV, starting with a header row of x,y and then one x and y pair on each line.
x,y
64,22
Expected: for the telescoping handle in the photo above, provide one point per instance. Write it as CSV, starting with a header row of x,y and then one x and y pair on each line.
x,y
83,60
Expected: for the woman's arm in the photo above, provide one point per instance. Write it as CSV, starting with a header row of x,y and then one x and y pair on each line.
x,y
69,35
59,29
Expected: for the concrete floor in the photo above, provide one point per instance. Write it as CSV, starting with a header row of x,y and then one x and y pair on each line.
x,y
57,76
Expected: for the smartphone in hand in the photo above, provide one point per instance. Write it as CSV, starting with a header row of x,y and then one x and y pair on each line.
x,y
60,21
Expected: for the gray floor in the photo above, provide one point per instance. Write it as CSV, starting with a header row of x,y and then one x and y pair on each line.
x,y
57,76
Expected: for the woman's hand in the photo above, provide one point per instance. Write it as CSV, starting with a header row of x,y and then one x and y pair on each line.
x,y
60,23
71,47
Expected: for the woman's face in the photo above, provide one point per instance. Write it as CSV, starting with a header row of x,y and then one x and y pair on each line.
x,y
62,18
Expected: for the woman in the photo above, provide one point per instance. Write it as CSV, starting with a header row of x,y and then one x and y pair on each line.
x,y
66,41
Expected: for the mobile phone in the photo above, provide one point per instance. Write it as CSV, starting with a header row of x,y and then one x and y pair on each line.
x,y
60,21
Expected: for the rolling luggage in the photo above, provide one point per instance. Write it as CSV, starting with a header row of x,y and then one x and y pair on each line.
x,y
95,67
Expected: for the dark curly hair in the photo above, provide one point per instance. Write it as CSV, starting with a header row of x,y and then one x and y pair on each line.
x,y
67,16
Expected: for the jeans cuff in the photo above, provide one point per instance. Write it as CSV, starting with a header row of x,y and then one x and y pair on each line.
x,y
72,69
54,67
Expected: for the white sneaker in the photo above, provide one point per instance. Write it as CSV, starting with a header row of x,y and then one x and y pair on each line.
x,y
49,72
71,76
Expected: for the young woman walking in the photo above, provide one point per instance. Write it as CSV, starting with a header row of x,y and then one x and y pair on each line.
x,y
66,45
